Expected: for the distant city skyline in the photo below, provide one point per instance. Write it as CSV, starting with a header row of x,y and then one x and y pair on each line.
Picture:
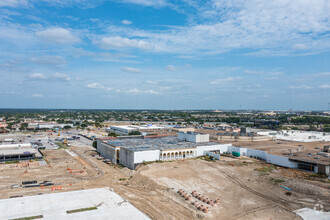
x,y
165,54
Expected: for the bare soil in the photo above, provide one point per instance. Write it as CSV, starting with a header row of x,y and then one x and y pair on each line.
x,y
247,188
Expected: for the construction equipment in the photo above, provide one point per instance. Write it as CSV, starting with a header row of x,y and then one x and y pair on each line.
x,y
56,188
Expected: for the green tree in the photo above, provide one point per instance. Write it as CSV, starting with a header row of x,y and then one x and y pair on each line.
x,y
327,129
112,134
135,133
23,126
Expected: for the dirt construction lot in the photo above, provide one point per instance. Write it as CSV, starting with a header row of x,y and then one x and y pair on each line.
x,y
246,188
244,193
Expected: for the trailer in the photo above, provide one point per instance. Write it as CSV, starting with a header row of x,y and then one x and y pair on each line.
x,y
9,140
29,182
30,186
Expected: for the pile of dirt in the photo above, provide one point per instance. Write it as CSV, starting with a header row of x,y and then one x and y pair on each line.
x,y
142,182
308,189
153,199
127,172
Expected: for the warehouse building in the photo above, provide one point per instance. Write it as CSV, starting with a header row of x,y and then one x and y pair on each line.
x,y
134,151
193,137
121,130
319,164
104,203
131,152
127,129
46,126
12,152
297,135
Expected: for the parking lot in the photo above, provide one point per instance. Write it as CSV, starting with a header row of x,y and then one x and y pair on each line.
x,y
49,140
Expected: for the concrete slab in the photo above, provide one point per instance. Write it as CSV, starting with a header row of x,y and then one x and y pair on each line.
x,y
55,206
311,214
297,135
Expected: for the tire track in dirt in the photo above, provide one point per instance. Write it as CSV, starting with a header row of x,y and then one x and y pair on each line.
x,y
285,204
153,199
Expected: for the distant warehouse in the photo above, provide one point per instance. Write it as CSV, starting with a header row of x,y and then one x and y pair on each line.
x,y
128,129
12,152
131,152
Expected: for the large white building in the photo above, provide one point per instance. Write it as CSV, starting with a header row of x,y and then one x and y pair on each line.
x,y
127,129
104,204
297,135
43,125
12,152
131,152
193,137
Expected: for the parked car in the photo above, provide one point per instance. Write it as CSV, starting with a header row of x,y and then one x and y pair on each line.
x,y
14,186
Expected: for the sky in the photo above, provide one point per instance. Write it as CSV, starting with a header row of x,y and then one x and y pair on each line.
x,y
165,54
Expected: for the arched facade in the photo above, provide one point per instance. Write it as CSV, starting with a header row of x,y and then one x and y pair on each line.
x,y
178,154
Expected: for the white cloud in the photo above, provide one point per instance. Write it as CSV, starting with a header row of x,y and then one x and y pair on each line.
x,y
136,91
152,3
57,35
272,78
37,76
10,93
61,77
300,87
151,82
225,80
95,86
324,86
253,72
121,42
299,46
171,68
16,34
130,70
49,60
57,3
282,25
56,76
82,3
165,88
127,22
230,25
322,74
98,86
38,95
13,3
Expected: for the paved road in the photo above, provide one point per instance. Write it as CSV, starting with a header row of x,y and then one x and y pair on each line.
x,y
45,141
49,142
85,141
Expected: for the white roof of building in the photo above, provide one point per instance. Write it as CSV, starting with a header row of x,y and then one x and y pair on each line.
x,y
297,135
124,127
147,127
137,127
11,146
55,206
